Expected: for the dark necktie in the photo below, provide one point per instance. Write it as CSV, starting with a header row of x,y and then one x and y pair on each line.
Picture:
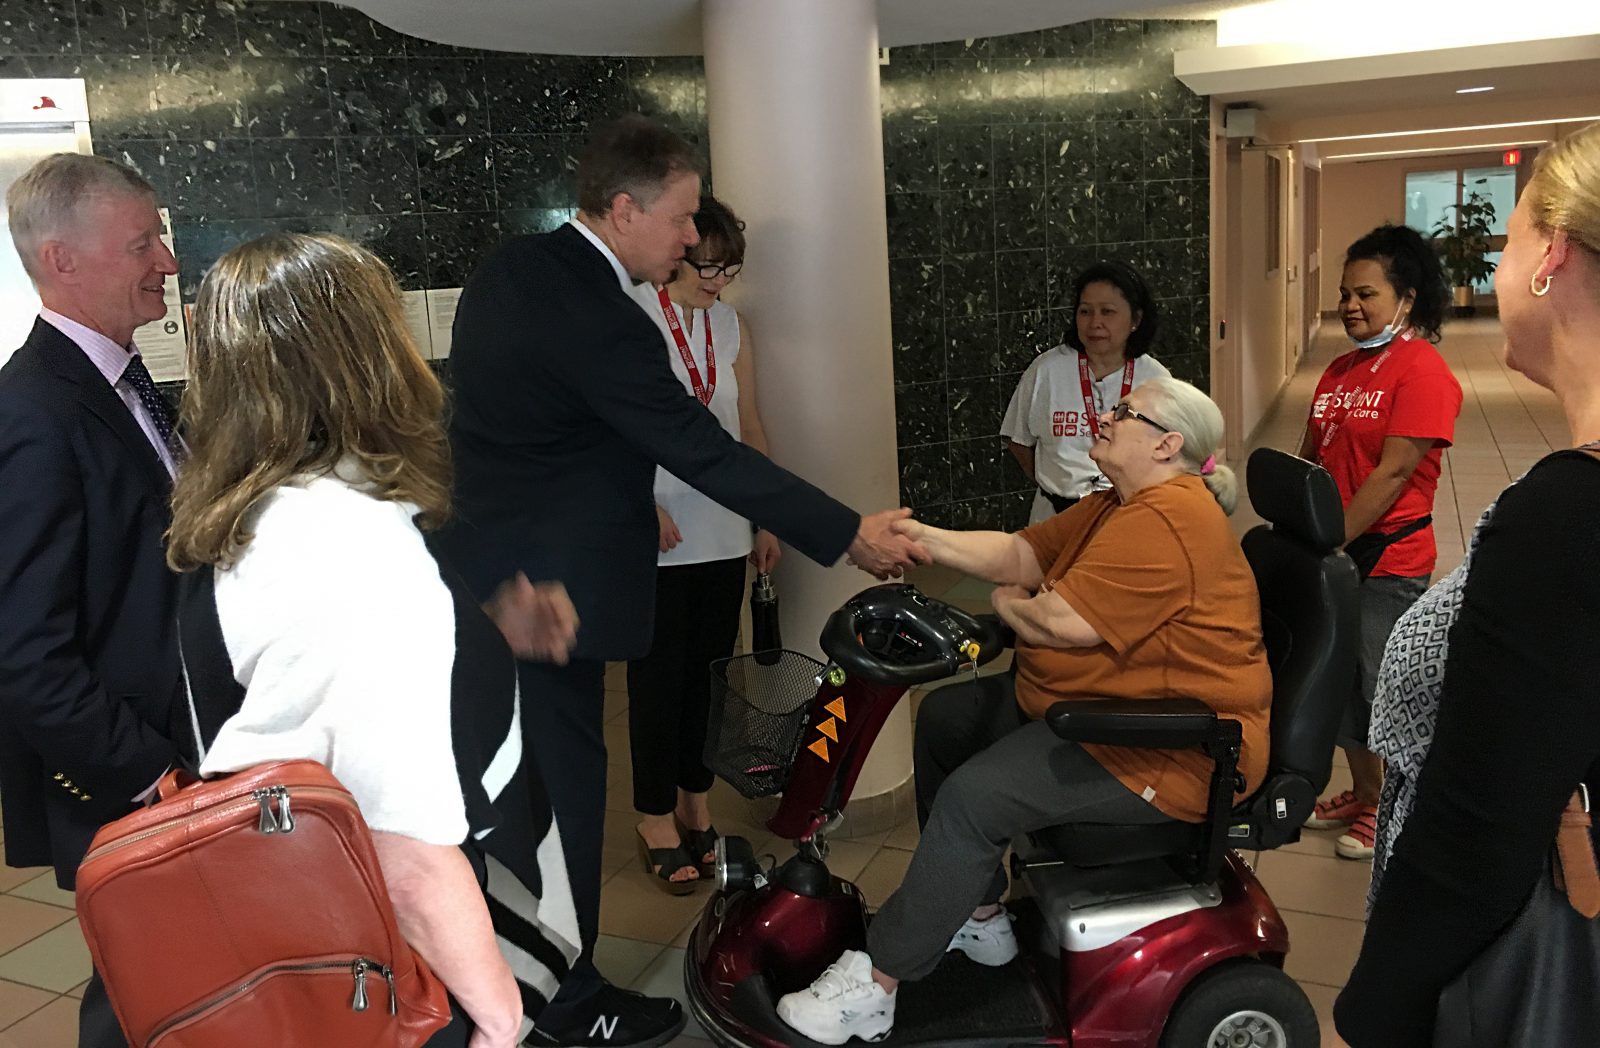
x,y
160,411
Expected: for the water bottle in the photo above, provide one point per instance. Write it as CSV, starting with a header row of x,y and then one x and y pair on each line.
x,y
766,638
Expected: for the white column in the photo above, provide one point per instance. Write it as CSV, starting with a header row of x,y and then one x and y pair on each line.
x,y
797,152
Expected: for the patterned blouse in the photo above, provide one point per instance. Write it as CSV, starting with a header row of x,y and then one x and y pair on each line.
x,y
1405,703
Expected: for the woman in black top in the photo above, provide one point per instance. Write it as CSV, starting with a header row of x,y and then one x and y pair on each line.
x,y
1518,716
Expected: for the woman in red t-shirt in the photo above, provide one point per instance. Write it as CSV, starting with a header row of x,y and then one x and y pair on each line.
x,y
1379,423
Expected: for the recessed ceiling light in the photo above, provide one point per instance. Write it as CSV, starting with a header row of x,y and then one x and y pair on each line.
x,y
1465,127
1472,90
1474,148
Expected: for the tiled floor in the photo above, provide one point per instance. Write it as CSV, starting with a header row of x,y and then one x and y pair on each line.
x,y
1506,424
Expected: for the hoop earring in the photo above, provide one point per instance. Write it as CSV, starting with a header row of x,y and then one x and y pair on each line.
x,y
1538,291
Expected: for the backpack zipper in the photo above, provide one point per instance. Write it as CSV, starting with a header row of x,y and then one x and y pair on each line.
x,y
283,821
260,798
358,968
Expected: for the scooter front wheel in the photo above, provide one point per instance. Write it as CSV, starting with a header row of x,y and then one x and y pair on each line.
x,y
1243,1004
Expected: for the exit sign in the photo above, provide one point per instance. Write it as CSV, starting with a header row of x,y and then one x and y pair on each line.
x,y
1511,157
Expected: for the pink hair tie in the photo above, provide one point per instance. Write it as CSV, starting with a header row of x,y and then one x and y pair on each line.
x,y
1209,466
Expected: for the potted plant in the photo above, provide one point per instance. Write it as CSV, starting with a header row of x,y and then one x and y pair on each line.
x,y
1462,242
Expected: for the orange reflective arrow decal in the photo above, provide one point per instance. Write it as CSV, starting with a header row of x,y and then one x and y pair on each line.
x,y
836,707
827,728
820,748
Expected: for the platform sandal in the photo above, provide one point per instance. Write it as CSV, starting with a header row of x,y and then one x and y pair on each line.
x,y
662,863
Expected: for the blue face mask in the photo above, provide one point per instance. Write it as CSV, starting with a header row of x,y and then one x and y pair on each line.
x,y
1386,336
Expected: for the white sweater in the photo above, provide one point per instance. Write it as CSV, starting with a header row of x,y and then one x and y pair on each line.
x,y
343,635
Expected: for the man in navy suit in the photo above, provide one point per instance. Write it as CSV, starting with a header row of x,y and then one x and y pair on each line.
x,y
89,676
564,405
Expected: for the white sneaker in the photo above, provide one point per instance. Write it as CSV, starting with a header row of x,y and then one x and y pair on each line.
x,y
844,1002
990,942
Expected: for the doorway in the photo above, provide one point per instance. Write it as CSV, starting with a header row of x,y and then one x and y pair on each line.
x,y
37,118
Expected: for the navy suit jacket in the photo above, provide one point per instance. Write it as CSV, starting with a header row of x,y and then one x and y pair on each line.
x,y
564,403
89,677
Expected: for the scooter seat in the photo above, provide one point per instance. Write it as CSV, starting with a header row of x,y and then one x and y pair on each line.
x,y
1107,844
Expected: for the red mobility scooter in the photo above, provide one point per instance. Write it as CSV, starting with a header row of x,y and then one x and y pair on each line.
x,y
1133,936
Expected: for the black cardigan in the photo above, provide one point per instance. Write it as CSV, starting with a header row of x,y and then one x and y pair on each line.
x,y
1519,727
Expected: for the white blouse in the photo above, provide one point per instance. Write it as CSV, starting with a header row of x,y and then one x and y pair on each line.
x,y
343,634
710,531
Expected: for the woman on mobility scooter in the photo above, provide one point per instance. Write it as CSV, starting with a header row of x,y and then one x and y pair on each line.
x,y
1161,605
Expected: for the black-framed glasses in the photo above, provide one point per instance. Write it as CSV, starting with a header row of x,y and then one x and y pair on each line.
x,y
712,270
1124,411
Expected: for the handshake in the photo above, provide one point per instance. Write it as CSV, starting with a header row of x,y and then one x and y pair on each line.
x,y
888,543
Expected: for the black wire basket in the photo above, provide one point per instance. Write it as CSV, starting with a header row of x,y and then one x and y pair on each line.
x,y
758,717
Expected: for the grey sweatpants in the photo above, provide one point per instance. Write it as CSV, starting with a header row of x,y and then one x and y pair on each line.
x,y
986,773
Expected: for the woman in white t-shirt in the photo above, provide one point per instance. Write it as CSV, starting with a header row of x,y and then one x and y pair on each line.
x,y
701,573
1053,418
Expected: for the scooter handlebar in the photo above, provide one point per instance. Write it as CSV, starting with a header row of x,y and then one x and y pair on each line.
x,y
901,615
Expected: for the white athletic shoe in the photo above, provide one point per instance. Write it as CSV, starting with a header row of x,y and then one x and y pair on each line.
x,y
990,942
844,1002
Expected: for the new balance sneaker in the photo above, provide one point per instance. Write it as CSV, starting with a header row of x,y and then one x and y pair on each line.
x,y
612,1017
844,1002
1359,840
1335,813
990,942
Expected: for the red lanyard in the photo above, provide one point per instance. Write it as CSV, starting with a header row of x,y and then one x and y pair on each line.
x,y
1087,381
1337,401
703,391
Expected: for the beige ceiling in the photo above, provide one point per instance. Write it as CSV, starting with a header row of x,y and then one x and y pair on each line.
x,y
1329,100
1543,92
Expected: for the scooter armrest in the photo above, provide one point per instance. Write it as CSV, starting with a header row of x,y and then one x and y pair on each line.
x,y
1167,724
1156,724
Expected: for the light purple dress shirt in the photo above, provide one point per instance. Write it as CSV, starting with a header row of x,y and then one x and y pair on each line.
x,y
111,360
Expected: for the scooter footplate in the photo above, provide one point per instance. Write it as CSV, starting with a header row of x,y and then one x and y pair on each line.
x,y
962,1002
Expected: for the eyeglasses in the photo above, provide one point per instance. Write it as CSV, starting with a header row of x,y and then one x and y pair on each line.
x,y
712,270
1124,411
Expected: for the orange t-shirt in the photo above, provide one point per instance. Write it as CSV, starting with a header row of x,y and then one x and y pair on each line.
x,y
1164,582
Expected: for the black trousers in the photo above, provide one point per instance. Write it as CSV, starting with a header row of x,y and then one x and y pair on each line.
x,y
563,714
97,1023
669,690
1059,503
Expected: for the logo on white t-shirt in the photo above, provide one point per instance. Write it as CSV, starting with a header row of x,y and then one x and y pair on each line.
x,y
1064,423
